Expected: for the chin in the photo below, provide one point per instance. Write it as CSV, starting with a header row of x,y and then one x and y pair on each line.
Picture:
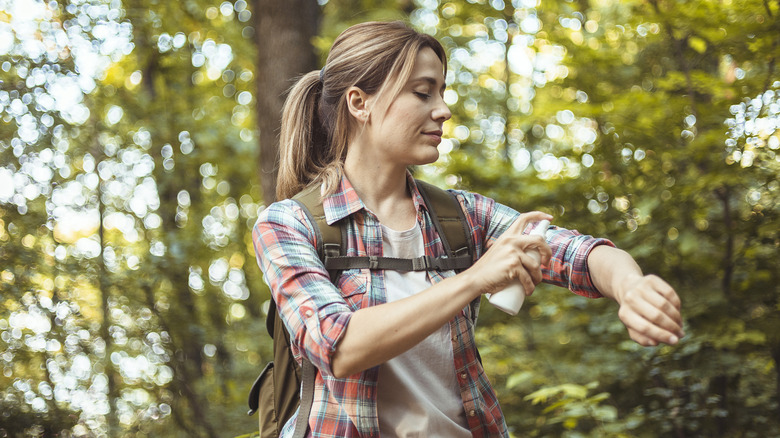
x,y
428,158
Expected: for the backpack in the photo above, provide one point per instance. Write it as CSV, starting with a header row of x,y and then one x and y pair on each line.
x,y
283,385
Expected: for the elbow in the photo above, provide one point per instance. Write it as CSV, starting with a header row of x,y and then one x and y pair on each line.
x,y
340,366
340,374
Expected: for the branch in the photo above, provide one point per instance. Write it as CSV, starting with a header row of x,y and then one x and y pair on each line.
x,y
724,194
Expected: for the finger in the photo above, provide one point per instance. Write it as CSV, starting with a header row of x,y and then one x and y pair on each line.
x,y
526,280
532,266
522,221
641,339
652,335
546,252
661,296
641,302
642,329
663,305
536,243
519,225
665,289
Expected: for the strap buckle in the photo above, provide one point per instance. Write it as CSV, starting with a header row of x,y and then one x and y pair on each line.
x,y
331,250
461,252
422,263
428,263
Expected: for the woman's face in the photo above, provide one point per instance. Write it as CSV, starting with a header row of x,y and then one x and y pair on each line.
x,y
408,131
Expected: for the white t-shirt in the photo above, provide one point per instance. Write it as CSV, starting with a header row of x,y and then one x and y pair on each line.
x,y
418,393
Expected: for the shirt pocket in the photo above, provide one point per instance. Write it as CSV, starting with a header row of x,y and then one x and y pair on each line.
x,y
354,285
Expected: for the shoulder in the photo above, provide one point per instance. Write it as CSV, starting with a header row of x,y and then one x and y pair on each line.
x,y
485,212
473,203
283,216
279,212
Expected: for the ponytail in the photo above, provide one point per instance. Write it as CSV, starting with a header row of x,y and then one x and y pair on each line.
x,y
302,141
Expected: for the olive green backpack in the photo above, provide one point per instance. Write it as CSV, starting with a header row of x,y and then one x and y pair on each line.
x,y
283,385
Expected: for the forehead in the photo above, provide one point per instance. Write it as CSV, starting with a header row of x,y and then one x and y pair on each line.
x,y
427,65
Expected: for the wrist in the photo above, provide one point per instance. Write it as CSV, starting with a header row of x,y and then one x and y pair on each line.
x,y
470,284
624,285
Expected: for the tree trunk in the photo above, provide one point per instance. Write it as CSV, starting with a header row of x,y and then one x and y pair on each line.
x,y
724,194
775,350
283,33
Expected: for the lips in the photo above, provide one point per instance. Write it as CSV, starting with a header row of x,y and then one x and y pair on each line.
x,y
434,135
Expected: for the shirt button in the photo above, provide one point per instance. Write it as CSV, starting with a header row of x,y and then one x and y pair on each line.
x,y
472,413
308,313
463,376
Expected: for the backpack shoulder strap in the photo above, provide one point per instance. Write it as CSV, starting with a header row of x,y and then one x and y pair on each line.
x,y
331,239
448,219
450,222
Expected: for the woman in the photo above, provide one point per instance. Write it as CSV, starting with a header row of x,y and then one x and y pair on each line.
x,y
395,351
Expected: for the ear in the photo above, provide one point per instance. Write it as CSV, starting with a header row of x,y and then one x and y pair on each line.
x,y
357,103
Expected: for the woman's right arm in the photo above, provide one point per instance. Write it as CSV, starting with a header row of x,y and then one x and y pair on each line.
x,y
377,334
341,342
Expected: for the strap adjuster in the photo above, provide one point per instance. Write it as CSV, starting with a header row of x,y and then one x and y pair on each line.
x,y
438,263
461,252
428,263
331,250
422,263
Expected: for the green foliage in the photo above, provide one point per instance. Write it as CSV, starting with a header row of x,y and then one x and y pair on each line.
x,y
630,120
126,299
131,303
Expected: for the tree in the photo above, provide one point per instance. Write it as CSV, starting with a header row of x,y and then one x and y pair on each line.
x,y
283,33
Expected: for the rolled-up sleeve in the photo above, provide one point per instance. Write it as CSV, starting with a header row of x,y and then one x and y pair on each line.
x,y
311,307
568,267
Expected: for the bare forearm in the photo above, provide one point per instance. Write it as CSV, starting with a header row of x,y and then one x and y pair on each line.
x,y
612,271
649,306
376,334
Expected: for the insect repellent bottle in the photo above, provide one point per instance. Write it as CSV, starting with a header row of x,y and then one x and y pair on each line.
x,y
511,299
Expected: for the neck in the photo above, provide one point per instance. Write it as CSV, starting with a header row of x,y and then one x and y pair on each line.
x,y
382,188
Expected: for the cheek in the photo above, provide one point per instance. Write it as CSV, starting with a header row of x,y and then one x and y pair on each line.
x,y
407,112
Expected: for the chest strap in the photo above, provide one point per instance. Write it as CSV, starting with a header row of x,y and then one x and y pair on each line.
x,y
424,263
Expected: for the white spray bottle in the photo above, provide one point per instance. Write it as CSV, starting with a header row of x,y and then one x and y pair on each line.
x,y
512,297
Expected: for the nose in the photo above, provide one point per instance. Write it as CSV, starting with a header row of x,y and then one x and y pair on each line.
x,y
441,111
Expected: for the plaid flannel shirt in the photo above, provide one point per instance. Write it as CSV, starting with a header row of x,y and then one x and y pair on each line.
x,y
316,312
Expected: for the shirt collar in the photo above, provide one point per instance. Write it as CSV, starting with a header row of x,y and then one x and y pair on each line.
x,y
416,196
346,200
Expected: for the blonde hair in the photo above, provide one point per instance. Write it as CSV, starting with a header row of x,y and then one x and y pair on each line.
x,y
378,58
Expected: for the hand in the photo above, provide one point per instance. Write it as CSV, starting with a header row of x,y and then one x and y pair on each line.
x,y
506,260
650,310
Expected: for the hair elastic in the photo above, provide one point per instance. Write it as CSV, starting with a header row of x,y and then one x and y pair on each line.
x,y
322,74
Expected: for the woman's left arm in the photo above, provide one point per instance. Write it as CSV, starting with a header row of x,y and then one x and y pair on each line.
x,y
649,306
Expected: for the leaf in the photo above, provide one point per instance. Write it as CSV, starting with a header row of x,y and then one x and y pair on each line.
x,y
518,379
566,389
697,44
570,423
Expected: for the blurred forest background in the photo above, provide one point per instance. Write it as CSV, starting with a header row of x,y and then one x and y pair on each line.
x,y
137,145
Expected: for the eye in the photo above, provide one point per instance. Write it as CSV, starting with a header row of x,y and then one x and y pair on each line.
x,y
423,96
